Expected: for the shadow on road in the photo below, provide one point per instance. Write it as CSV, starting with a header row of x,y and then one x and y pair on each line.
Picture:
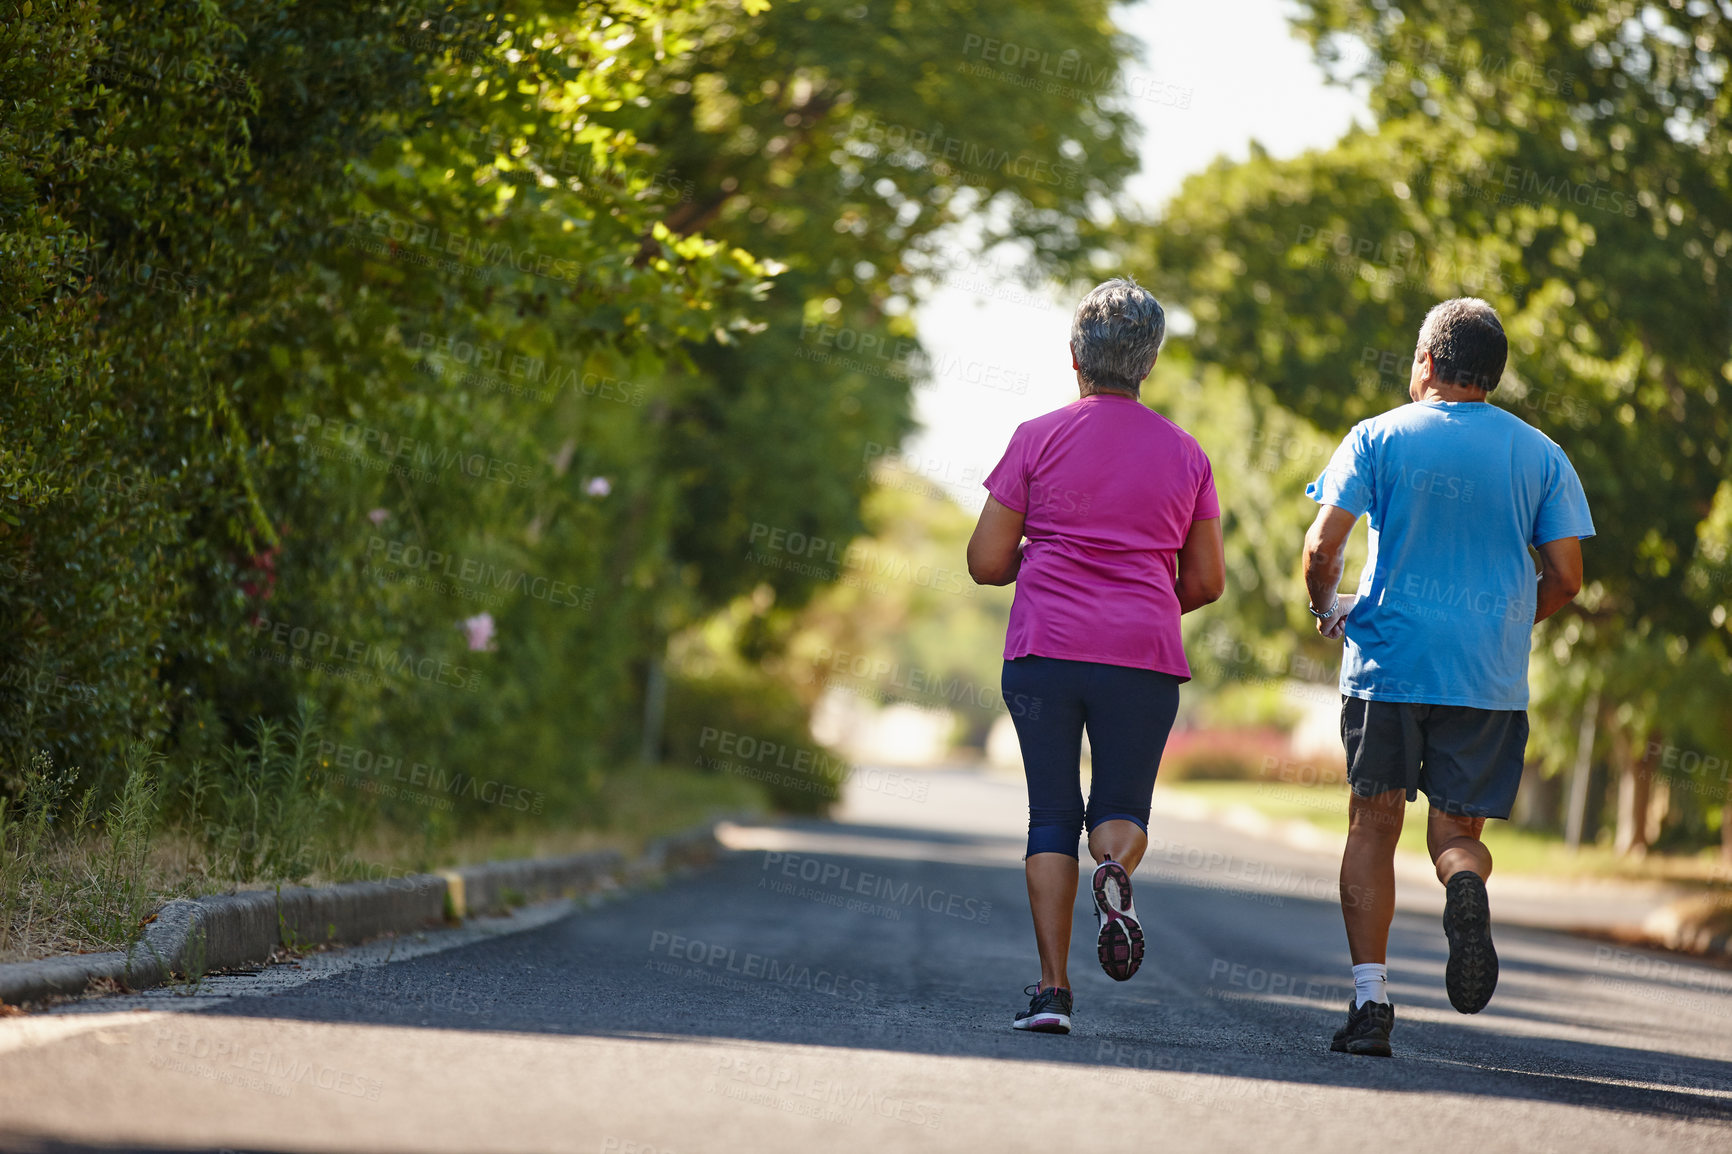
x,y
19,1143
896,939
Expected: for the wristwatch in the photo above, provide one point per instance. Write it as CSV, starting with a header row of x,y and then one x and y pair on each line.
x,y
1333,606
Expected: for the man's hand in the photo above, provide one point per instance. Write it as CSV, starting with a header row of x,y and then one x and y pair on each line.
x,y
1335,625
1325,556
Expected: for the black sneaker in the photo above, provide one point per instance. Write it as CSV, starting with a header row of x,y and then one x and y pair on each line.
x,y
1366,1031
1471,975
1048,1011
1119,942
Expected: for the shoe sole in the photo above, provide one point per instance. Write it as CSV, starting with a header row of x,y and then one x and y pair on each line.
x,y
1471,975
1044,1024
1120,943
1364,1047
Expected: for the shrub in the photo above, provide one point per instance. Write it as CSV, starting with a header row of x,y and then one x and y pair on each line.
x,y
755,729
1221,754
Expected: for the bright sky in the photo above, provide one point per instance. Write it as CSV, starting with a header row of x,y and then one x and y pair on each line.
x,y
1001,356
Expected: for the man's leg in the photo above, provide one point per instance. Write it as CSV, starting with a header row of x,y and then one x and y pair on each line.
x,y
1367,908
1463,863
1368,872
1454,844
1382,743
1473,764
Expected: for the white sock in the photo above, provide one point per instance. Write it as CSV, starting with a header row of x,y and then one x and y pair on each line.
x,y
1370,983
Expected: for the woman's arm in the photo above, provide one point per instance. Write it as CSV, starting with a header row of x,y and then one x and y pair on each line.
x,y
994,552
1202,566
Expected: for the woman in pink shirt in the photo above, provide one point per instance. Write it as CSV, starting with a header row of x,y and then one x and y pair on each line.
x,y
1123,536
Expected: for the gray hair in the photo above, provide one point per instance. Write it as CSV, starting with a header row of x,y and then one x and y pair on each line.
x,y
1116,335
1466,342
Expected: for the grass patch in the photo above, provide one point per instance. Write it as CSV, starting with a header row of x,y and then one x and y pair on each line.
x,y
76,877
1514,850
636,805
72,881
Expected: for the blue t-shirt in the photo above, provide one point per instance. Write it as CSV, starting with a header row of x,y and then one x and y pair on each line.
x,y
1457,491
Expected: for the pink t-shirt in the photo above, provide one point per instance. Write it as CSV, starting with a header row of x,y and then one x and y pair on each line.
x,y
1108,490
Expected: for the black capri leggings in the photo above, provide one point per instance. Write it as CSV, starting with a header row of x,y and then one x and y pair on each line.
x,y
1129,713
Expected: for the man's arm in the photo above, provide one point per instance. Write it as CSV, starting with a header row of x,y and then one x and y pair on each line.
x,y
995,550
1325,557
1560,576
1202,576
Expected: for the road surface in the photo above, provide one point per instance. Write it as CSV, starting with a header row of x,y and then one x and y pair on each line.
x,y
849,986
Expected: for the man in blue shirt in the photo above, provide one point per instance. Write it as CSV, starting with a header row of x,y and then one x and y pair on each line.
x,y
1434,677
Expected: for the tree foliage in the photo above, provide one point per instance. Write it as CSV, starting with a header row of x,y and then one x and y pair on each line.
x,y
1571,165
327,329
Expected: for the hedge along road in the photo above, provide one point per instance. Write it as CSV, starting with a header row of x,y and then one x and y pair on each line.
x,y
850,986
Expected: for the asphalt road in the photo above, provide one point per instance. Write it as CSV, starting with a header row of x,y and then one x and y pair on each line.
x,y
850,986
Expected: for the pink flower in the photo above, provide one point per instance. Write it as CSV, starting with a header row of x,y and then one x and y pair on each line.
x,y
479,630
379,516
598,486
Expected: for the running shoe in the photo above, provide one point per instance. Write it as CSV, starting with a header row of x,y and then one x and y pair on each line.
x,y
1119,944
1366,1031
1471,975
1048,1011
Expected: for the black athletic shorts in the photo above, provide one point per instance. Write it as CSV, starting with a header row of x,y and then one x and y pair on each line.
x,y
1467,761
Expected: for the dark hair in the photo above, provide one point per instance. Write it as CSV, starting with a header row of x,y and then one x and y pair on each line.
x,y
1466,342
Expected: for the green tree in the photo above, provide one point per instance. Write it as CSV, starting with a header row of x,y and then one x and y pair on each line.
x,y
1568,165
244,230
332,327
848,142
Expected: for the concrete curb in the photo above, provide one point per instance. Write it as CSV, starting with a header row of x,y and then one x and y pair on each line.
x,y
1695,925
227,931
